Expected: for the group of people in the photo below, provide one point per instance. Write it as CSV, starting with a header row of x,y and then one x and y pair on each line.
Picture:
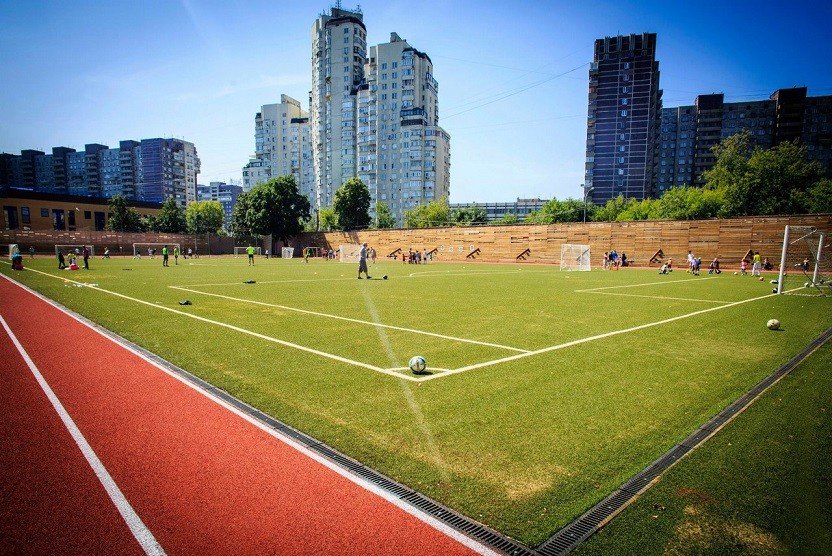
x,y
73,258
416,257
614,261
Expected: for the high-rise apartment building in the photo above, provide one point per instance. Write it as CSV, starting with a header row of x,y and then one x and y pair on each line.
x,y
689,133
224,193
151,170
339,52
403,154
283,146
624,116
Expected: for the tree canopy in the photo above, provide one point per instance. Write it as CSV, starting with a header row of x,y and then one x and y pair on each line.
x,y
171,219
204,217
384,216
554,211
123,218
271,208
327,219
469,215
435,213
352,205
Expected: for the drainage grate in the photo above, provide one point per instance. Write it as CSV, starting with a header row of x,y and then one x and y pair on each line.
x,y
568,538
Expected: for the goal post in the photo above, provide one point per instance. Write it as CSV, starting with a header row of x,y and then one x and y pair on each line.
x,y
805,260
70,248
140,249
287,252
575,256
244,251
349,253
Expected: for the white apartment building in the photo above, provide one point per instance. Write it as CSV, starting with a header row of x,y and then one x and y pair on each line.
x,y
403,154
339,50
282,146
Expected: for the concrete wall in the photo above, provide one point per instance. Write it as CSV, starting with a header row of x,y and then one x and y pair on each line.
x,y
727,239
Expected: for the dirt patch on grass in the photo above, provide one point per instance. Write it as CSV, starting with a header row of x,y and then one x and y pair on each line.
x,y
702,533
699,496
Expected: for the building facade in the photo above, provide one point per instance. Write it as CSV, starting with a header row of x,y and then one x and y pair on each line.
x,y
150,170
225,193
623,118
689,133
283,146
339,52
402,154
520,208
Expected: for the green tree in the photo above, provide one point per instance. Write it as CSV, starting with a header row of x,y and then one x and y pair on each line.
x,y
239,216
204,217
610,211
435,213
507,220
554,211
273,208
755,181
123,218
171,218
690,203
818,198
352,205
328,219
469,215
384,216
646,209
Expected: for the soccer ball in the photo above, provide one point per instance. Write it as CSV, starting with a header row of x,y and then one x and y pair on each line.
x,y
385,277
807,284
773,324
417,364
735,274
761,278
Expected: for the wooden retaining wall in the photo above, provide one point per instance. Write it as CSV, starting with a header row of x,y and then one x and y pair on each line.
x,y
44,241
728,239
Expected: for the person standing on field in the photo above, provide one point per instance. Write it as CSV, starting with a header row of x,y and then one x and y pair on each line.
x,y
757,265
250,251
86,258
176,255
362,261
165,256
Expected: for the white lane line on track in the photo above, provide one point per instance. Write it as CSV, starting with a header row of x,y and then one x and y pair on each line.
x,y
593,338
366,485
348,319
238,329
142,534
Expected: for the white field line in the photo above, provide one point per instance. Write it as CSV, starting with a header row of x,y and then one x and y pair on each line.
x,y
439,273
656,297
140,531
367,485
238,329
645,284
592,338
287,281
348,319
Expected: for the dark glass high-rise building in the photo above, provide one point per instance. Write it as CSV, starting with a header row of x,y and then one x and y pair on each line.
x,y
624,116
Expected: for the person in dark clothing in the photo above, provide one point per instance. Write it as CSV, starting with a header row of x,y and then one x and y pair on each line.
x,y
61,260
86,258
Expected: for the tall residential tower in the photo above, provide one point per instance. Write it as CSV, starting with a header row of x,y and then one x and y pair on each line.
x,y
624,115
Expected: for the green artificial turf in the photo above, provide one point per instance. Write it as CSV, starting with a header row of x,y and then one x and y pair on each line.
x,y
763,485
524,445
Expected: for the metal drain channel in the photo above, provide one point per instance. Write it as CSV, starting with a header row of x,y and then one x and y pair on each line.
x,y
568,538
467,526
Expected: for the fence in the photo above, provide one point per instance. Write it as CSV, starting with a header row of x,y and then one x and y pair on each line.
x,y
728,239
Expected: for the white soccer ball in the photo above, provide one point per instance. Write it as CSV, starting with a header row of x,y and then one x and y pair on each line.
x,y
807,284
417,364
773,324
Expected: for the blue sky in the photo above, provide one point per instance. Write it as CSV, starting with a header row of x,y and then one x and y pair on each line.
x,y
98,72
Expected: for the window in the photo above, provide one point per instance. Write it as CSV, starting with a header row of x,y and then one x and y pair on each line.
x,y
27,217
44,213
623,112
624,101
71,217
384,65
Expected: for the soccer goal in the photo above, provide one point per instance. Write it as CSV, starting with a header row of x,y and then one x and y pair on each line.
x,y
806,260
349,253
153,249
244,251
312,251
574,256
77,249
287,252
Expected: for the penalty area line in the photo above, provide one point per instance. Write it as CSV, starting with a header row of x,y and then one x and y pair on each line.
x,y
234,328
645,284
663,297
595,337
348,319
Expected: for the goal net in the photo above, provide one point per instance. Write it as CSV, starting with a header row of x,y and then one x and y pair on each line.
x,y
77,249
574,256
287,252
153,249
312,251
349,253
805,262
244,251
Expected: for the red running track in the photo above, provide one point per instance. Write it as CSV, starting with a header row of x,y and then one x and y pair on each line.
x,y
202,478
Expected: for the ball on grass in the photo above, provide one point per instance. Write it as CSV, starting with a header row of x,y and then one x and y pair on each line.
x,y
807,284
773,324
417,364
384,277
735,274
774,290
761,278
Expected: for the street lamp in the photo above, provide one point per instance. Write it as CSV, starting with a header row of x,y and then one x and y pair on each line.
x,y
587,190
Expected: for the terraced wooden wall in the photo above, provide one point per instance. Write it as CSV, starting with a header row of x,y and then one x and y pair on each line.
x,y
727,239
